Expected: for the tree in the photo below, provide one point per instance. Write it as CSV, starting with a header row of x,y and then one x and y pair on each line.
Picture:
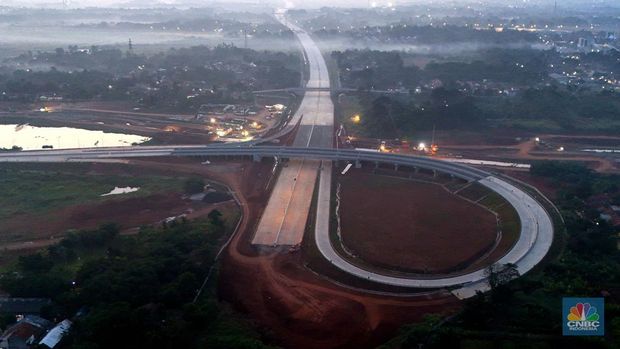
x,y
36,263
194,185
215,217
6,320
423,333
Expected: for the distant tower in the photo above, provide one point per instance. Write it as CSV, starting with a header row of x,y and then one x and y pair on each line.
x,y
130,45
555,8
245,38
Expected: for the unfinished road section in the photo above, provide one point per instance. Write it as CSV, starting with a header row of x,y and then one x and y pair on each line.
x,y
284,220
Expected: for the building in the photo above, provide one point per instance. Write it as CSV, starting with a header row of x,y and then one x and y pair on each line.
x,y
25,333
583,43
55,335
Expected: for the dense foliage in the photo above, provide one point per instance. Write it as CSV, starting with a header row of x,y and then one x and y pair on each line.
x,y
181,78
134,292
493,88
548,108
366,69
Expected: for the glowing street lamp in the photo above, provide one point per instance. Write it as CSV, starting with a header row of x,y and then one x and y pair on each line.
x,y
356,118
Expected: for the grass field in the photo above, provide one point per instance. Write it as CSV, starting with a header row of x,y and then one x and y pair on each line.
x,y
474,191
349,106
38,189
509,221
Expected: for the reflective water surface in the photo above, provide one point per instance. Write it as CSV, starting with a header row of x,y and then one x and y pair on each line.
x,y
30,138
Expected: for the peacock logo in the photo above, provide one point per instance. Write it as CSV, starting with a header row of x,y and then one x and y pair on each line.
x,y
583,312
583,316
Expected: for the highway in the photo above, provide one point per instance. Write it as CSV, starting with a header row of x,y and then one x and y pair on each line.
x,y
284,220
299,153
534,242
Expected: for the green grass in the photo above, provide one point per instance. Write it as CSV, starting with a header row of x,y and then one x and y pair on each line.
x,y
474,192
493,201
511,224
349,105
31,189
509,218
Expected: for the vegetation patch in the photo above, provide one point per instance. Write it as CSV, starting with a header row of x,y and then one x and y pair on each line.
x,y
37,190
142,286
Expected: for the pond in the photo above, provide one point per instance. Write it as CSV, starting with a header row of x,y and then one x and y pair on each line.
x,y
119,191
31,138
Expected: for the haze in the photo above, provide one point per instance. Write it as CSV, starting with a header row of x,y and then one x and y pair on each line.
x,y
298,3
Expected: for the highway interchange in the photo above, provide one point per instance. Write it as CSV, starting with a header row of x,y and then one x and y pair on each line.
x,y
286,214
536,225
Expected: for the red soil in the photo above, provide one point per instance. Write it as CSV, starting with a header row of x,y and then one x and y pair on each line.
x,y
412,226
295,307
130,212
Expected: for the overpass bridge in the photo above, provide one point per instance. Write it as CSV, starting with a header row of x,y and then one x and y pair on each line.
x,y
256,152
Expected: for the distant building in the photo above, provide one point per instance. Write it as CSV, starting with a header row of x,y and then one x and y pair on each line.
x,y
50,98
583,43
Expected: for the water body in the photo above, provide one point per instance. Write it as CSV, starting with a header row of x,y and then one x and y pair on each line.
x,y
120,191
32,138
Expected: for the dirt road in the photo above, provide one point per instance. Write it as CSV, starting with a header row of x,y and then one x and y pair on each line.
x,y
294,306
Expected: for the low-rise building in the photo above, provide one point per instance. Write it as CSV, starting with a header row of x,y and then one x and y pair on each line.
x,y
56,334
25,333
